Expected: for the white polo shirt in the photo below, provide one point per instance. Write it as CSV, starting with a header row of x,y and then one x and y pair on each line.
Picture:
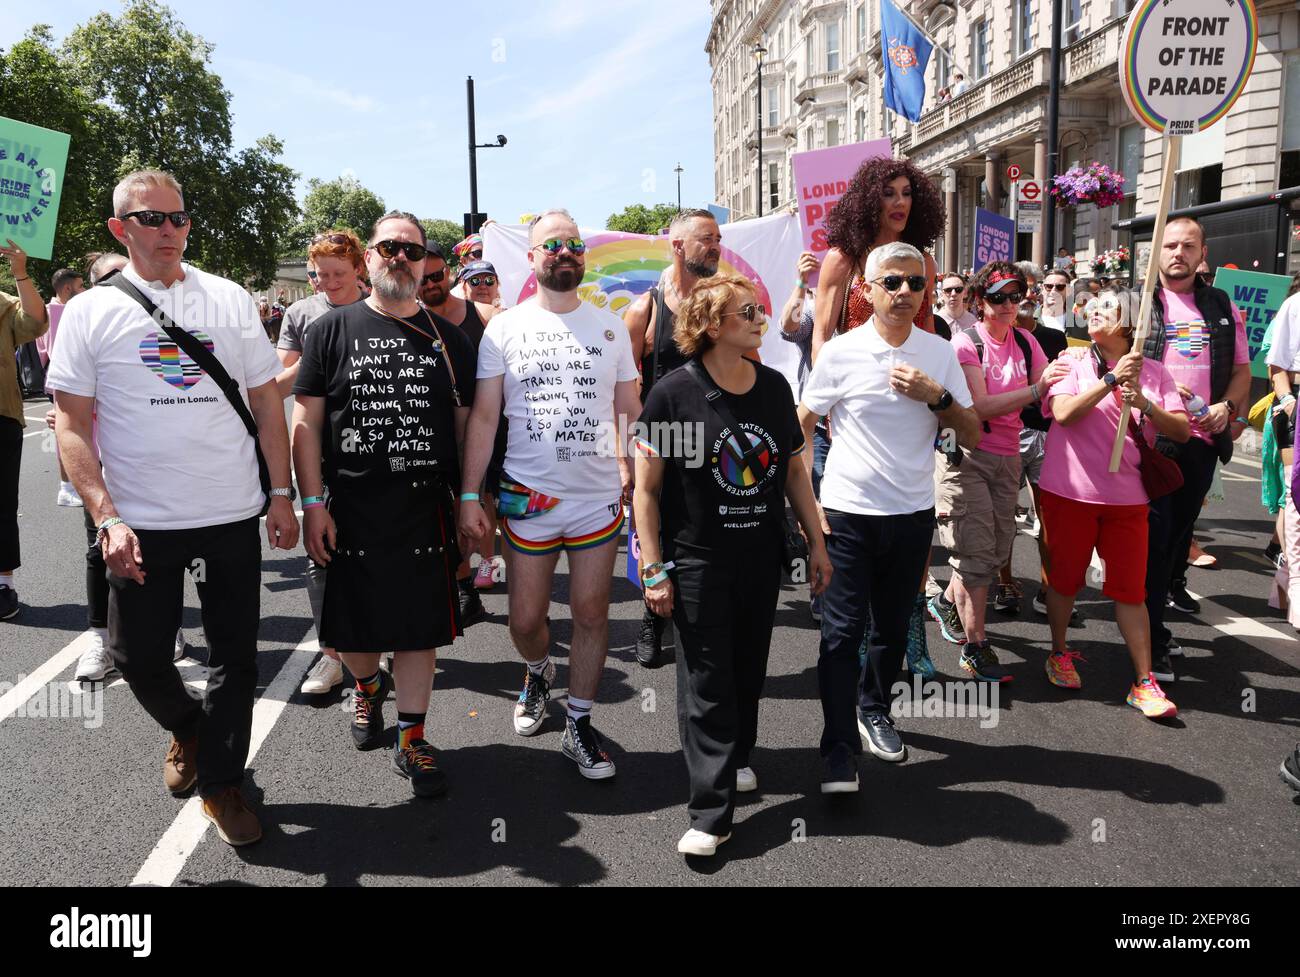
x,y
175,453
881,461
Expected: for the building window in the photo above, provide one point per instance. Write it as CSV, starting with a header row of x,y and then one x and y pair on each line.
x,y
860,126
772,100
832,132
808,138
1074,21
773,185
833,46
979,45
942,69
793,91
1128,159
862,27
1024,27
809,65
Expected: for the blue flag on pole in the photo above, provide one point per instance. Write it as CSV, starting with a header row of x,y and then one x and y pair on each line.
x,y
906,52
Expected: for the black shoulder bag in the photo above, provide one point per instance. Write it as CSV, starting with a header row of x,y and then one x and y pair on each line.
x,y
794,548
207,361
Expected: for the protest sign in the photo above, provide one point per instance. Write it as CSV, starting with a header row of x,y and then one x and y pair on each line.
x,y
993,237
821,177
32,165
1258,296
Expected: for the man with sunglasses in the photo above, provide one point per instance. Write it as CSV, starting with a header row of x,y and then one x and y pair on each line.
x,y
696,246
382,394
1056,289
470,318
564,371
956,308
889,388
179,487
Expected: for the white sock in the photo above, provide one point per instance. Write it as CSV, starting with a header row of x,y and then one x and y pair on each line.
x,y
538,667
67,487
102,632
7,580
579,707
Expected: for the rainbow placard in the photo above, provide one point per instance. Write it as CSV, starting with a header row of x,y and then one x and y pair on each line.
x,y
1183,63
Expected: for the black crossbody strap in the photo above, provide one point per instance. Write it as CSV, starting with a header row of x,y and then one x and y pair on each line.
x,y
207,361
715,399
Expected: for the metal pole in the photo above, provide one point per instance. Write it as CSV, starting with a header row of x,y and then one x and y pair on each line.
x,y
758,83
1053,136
678,171
473,161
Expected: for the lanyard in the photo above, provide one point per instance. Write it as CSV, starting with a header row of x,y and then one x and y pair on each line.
x,y
438,346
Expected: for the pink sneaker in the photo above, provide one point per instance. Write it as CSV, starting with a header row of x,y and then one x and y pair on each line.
x,y
483,577
1061,670
1150,698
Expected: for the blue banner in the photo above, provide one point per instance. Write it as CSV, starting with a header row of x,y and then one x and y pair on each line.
x,y
906,52
994,237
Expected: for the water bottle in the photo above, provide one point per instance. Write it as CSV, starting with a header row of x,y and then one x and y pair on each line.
x,y
1197,407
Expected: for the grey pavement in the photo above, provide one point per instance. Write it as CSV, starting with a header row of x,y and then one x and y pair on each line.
x,y
1065,788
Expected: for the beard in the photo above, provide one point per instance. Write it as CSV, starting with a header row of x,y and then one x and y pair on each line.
x,y
564,275
394,283
702,269
433,294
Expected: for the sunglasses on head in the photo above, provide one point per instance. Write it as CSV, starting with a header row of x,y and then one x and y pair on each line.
x,y
892,283
435,276
155,218
1001,298
554,246
750,312
477,280
388,250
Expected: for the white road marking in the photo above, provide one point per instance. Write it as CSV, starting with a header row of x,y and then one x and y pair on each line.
x,y
12,700
1274,641
1245,460
168,857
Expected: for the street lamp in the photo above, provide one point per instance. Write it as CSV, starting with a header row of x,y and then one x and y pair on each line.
x,y
472,218
678,171
759,51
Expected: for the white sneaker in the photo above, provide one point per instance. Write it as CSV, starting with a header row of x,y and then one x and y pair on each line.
x,y
746,780
324,675
68,496
180,649
700,843
95,663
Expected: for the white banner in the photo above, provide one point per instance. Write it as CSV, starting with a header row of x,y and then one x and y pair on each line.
x,y
622,267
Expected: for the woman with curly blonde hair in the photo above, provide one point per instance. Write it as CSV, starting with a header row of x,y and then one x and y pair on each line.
x,y
719,452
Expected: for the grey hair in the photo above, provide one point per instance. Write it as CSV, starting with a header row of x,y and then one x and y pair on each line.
x,y
677,227
1029,269
553,212
139,180
891,252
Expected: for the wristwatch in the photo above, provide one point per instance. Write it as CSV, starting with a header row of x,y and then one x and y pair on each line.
x,y
1232,407
944,402
284,493
105,526
1110,379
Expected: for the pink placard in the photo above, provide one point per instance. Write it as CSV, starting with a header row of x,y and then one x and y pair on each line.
x,y
821,177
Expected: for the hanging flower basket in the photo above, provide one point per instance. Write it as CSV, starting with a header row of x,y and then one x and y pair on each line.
x,y
1096,184
1111,264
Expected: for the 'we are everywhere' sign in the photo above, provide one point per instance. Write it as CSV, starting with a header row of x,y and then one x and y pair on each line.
x,y
32,165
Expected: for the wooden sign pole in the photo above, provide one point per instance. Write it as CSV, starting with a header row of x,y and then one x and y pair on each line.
x,y
1152,280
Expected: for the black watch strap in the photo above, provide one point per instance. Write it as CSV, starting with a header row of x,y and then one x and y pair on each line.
x,y
944,402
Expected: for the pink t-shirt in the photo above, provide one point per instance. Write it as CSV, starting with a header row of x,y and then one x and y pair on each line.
x,y
1004,369
1077,459
1187,346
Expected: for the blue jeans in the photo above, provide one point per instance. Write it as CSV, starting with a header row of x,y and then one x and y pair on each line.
x,y
821,448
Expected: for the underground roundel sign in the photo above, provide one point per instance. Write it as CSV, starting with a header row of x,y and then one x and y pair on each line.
x,y
1183,63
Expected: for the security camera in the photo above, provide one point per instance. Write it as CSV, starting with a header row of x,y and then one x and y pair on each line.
x,y
501,140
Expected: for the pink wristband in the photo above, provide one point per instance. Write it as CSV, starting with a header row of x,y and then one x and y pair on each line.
x,y
313,505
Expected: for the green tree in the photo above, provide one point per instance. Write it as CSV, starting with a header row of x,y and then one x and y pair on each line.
x,y
640,219
173,112
334,204
447,234
36,87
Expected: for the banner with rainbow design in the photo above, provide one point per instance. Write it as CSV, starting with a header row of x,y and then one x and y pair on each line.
x,y
621,267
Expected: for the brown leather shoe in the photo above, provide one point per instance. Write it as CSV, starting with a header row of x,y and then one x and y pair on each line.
x,y
180,769
235,823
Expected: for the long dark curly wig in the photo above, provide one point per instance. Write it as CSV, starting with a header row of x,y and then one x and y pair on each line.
x,y
854,224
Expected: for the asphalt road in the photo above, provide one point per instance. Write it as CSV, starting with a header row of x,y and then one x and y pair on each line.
x,y
1064,788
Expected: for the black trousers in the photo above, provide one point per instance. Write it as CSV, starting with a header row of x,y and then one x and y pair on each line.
x,y
723,611
96,577
1173,520
879,562
11,457
226,563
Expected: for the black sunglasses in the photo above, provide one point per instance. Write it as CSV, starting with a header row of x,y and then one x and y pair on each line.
x,y
389,249
955,291
1001,298
892,283
435,276
477,255
1054,288
481,280
750,312
155,218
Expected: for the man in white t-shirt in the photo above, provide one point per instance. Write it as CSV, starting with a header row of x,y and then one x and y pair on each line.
x,y
565,372
889,389
179,488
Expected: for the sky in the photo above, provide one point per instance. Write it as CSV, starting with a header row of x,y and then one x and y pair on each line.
x,y
599,99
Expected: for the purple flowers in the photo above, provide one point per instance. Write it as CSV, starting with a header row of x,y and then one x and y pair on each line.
x,y
1096,184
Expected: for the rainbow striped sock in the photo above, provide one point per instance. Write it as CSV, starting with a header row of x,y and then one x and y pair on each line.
x,y
369,687
410,728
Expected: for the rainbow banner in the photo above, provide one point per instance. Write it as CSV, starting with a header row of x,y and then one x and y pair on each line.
x,y
622,267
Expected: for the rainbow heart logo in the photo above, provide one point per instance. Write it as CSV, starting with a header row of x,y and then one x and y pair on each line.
x,y
169,363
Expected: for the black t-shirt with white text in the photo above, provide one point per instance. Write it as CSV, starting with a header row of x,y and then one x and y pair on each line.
x,y
389,407
711,504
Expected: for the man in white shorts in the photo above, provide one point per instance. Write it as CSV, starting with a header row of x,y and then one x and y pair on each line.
x,y
565,372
